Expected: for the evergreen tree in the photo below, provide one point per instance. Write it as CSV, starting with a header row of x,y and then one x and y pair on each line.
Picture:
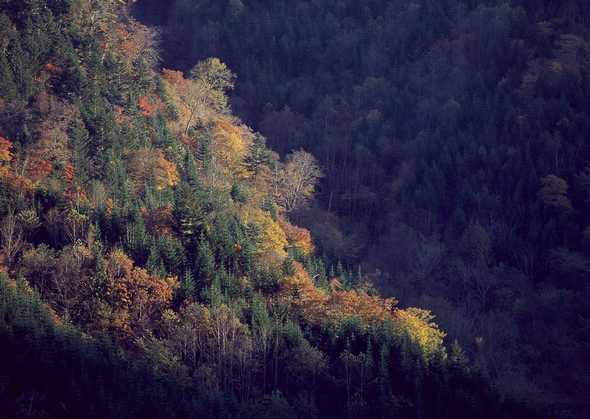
x,y
205,260
188,286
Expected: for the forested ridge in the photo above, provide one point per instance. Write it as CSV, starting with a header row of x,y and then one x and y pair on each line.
x,y
149,262
453,136
159,260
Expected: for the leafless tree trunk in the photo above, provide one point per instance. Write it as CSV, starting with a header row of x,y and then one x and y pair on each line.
x,y
11,235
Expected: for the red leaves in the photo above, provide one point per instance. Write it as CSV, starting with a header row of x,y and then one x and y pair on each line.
x,y
69,173
146,107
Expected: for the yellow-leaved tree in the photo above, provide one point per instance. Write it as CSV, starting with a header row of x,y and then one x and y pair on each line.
x,y
272,240
230,143
201,97
148,164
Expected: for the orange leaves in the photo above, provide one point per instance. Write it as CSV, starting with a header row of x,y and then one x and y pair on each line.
x,y
159,220
8,175
5,150
53,146
52,68
301,293
39,168
69,173
317,306
299,238
109,205
174,77
147,164
146,107
48,71
119,113
357,303
135,296
132,41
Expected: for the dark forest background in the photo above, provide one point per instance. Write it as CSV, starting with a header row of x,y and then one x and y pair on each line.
x,y
454,139
151,264
294,209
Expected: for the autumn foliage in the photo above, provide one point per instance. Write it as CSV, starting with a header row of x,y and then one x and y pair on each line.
x,y
5,150
135,297
145,164
139,213
298,238
146,106
323,307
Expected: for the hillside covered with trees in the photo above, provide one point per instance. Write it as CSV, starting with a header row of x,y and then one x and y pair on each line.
x,y
150,266
453,138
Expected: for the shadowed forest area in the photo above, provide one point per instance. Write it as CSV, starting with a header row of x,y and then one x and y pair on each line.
x,y
294,209
454,139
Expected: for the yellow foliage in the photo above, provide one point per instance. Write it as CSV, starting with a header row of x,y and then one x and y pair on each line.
x,y
229,144
273,240
5,156
165,172
194,100
421,328
11,170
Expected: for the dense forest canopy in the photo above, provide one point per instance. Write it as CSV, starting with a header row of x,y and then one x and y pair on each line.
x,y
453,136
229,209
150,265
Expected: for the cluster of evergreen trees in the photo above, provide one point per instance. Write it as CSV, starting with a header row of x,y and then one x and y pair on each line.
x,y
453,137
148,267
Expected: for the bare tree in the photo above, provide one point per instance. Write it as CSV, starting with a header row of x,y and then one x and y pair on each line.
x,y
295,183
11,235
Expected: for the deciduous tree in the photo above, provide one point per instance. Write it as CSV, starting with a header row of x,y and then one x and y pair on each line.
x,y
295,183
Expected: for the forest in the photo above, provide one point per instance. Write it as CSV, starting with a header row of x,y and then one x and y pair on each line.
x,y
294,209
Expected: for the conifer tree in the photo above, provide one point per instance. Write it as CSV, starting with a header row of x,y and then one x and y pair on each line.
x,y
205,260
188,286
